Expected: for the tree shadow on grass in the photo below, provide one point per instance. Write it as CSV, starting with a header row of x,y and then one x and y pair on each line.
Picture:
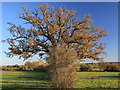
x,y
29,79
37,76
90,71
117,77
16,87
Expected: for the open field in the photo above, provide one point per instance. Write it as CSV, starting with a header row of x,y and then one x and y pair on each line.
x,y
97,80
32,79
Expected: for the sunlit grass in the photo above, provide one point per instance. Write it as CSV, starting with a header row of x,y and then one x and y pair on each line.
x,y
32,79
97,80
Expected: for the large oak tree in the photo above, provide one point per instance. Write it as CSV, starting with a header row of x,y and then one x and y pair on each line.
x,y
61,36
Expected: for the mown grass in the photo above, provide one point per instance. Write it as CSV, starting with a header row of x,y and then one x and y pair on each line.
x,y
25,79
32,79
97,80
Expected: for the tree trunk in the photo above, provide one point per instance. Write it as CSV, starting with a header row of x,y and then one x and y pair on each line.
x,y
63,66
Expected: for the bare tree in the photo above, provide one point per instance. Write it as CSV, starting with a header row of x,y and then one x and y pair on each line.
x,y
61,36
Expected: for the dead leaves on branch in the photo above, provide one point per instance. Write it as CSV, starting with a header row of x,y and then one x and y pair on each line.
x,y
56,26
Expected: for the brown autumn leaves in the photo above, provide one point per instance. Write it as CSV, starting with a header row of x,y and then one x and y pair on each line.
x,y
61,36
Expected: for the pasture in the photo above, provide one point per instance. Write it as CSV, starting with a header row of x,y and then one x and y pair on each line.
x,y
33,79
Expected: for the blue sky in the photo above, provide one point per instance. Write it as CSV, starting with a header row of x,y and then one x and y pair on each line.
x,y
104,14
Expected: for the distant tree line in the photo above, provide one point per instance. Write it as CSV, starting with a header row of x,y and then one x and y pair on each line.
x,y
42,67
104,66
28,66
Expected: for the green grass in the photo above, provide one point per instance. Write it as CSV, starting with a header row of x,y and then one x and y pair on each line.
x,y
97,80
24,79
32,79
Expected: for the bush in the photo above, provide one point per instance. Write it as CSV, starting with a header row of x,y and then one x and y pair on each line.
x,y
22,68
85,68
15,65
77,68
112,68
33,65
41,68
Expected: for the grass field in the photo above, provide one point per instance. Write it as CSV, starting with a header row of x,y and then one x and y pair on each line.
x,y
32,79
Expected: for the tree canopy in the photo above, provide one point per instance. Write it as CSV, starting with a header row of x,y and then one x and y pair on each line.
x,y
59,34
55,26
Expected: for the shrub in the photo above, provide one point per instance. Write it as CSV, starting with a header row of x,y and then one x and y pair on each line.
x,y
85,68
22,68
16,65
77,68
32,65
111,68
41,68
